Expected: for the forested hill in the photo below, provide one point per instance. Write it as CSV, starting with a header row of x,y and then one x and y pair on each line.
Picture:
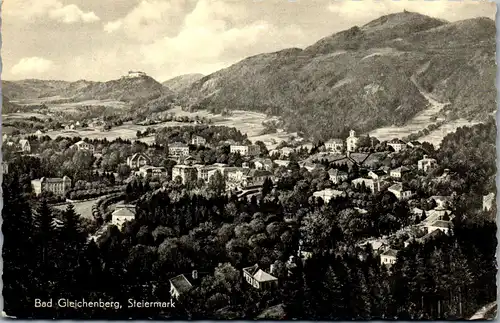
x,y
123,89
362,77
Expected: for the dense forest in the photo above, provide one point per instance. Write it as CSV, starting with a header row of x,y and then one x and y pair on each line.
x,y
46,254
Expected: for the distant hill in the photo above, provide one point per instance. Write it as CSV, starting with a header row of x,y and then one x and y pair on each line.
x,y
181,82
361,78
123,89
7,106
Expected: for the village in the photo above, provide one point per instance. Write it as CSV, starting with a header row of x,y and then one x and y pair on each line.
x,y
353,168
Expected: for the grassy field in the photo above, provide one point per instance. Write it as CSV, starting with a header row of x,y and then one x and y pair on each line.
x,y
247,122
82,208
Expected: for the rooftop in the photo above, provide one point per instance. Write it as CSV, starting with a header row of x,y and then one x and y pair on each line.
x,y
181,283
262,276
441,224
390,253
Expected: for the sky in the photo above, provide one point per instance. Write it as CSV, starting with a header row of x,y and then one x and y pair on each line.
x,y
101,40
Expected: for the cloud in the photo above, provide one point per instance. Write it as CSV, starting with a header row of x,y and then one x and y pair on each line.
x,y
213,33
113,26
28,66
53,9
148,19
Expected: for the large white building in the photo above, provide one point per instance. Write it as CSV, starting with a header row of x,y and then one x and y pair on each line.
x,y
335,145
58,186
245,150
178,149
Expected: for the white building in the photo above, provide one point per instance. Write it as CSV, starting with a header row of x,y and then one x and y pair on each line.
x,y
427,164
397,145
389,257
138,160
488,201
58,186
352,141
335,145
25,145
178,149
399,191
327,194
198,141
121,215
399,172
146,171
82,145
245,150
259,279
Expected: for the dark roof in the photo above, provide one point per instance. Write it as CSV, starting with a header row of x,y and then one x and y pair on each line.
x,y
336,172
390,252
335,140
379,172
396,141
441,224
401,169
181,283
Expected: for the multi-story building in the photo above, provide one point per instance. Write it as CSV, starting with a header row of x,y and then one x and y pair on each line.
x,y
82,145
178,149
427,164
335,145
263,163
185,172
397,145
198,141
138,160
399,172
327,194
58,186
245,150
146,171
352,141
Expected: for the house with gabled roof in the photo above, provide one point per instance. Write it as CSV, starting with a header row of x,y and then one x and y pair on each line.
x,y
25,146
183,283
441,225
260,279
389,257
138,160
399,191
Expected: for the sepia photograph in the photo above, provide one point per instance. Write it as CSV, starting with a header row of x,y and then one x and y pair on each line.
x,y
312,160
